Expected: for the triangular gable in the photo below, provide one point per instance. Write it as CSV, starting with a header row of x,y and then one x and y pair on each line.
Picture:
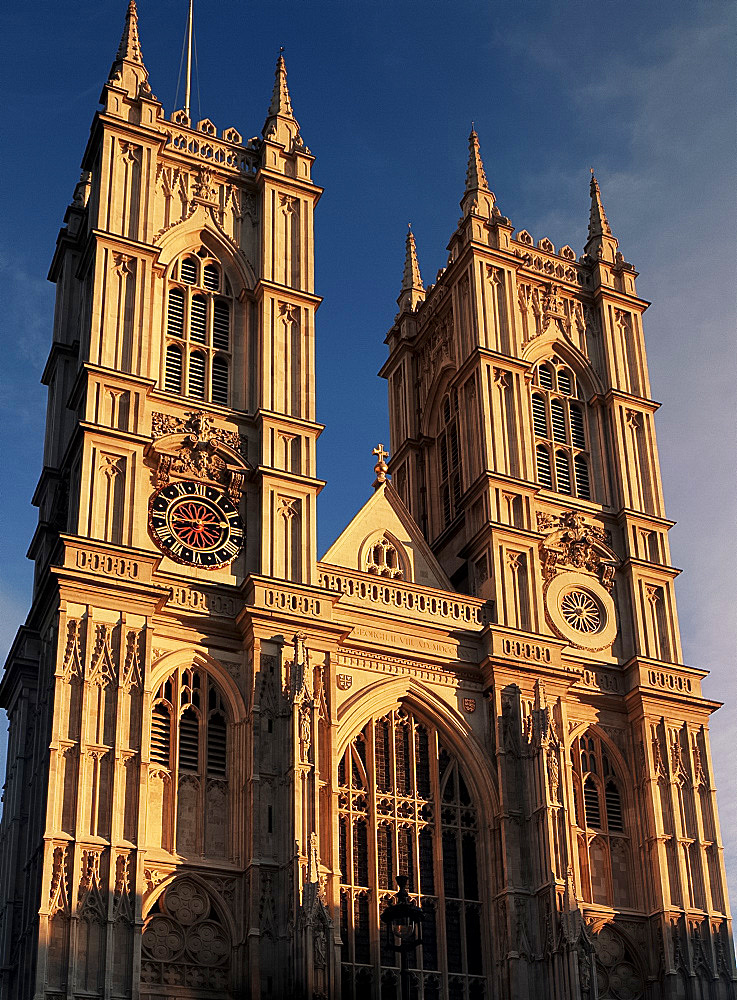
x,y
384,515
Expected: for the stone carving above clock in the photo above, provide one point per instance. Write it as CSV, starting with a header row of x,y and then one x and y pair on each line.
x,y
571,543
192,448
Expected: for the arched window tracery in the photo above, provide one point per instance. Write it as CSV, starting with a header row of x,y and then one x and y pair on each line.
x,y
189,755
383,558
559,425
199,318
605,852
406,809
186,946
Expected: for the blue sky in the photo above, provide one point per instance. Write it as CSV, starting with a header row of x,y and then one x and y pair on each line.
x,y
385,93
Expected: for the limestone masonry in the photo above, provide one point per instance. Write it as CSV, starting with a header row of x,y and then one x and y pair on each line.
x,y
223,751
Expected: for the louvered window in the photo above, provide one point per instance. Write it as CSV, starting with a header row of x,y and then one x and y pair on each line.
x,y
613,807
564,381
175,320
544,474
556,418
198,320
220,381
198,316
173,376
188,272
539,418
577,433
189,730
216,745
591,803
197,375
221,326
582,477
161,736
412,813
210,278
562,473
189,741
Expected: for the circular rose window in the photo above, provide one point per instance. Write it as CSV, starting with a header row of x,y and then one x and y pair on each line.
x,y
581,611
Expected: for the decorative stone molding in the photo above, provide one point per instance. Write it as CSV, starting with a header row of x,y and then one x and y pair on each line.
x,y
194,449
570,542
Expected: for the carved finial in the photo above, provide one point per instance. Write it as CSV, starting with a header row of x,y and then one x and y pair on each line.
x,y
477,198
381,468
411,279
475,173
281,126
598,222
281,103
130,44
128,69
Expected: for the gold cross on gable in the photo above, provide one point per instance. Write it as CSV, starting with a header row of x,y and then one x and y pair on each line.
x,y
380,453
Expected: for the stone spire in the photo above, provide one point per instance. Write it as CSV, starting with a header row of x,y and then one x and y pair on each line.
x,y
413,291
600,242
281,126
128,70
477,198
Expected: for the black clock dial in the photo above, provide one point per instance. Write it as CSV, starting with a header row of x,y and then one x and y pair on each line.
x,y
195,524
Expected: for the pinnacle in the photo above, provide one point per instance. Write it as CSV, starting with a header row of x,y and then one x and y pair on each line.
x,y
475,174
598,222
280,100
130,45
411,278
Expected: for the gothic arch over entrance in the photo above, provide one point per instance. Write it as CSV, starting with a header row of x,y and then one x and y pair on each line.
x,y
407,807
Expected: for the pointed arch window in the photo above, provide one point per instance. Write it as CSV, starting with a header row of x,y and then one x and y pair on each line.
x,y
406,808
449,459
605,850
199,313
190,748
559,418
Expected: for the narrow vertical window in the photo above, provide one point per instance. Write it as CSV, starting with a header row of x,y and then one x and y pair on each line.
x,y
220,380
173,375
544,475
539,418
211,277
577,433
562,473
583,489
558,417
198,320
188,271
161,736
197,375
221,326
175,318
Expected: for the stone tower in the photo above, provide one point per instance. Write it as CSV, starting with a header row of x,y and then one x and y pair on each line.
x,y
223,751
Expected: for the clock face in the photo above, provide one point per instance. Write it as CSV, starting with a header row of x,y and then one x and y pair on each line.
x,y
195,524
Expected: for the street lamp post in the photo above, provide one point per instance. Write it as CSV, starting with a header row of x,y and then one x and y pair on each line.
x,y
404,922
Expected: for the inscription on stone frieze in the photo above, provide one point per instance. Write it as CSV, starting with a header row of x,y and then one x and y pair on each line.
x,y
445,649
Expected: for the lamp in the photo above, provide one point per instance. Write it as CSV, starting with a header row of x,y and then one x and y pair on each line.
x,y
404,922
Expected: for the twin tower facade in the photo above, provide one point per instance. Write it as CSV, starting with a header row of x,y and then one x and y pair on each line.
x,y
223,751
